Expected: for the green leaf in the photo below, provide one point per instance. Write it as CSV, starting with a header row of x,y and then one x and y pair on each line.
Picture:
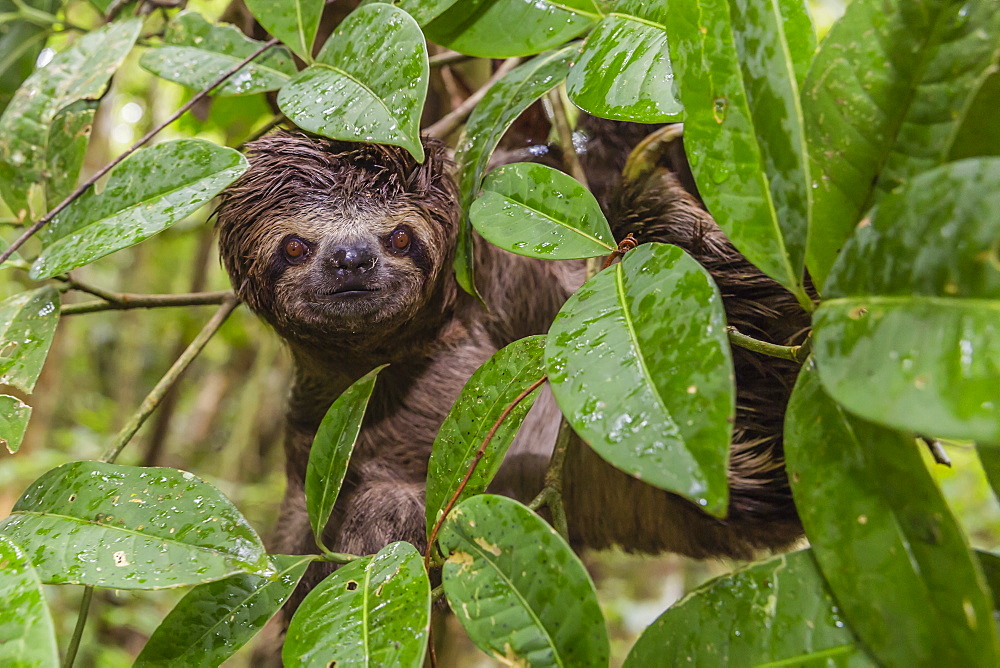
x,y
991,569
14,415
109,525
774,612
331,450
624,71
374,611
537,211
910,336
884,537
989,457
505,28
492,388
68,139
884,100
81,72
979,134
743,128
27,636
217,618
501,105
27,324
349,93
150,191
800,36
640,365
424,11
20,43
196,53
294,23
518,589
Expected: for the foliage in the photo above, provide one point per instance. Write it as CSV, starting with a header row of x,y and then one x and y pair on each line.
x,y
852,168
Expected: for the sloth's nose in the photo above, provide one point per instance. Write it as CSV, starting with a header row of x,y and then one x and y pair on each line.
x,y
351,259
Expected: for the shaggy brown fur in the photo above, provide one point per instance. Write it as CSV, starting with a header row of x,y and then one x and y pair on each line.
x,y
405,309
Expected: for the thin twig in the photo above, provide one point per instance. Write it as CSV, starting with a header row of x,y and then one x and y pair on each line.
x,y
81,622
448,58
473,464
793,353
937,450
128,301
554,480
450,122
154,397
83,187
565,133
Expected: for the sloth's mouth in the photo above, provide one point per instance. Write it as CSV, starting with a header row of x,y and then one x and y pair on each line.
x,y
348,292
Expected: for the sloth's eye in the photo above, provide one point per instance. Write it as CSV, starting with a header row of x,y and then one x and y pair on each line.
x,y
295,249
400,239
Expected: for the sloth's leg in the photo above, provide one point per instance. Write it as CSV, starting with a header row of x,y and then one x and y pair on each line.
x,y
380,512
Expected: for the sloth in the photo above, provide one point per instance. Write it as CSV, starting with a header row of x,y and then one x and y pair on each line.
x,y
345,249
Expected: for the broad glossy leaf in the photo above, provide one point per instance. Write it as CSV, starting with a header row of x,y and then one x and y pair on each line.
x,y
743,128
349,93
501,105
537,211
624,71
774,612
27,324
374,611
68,139
424,11
979,134
196,53
884,537
294,22
910,336
518,589
217,618
989,457
800,36
884,100
331,450
14,415
109,525
20,43
27,636
81,72
505,28
492,388
640,365
151,190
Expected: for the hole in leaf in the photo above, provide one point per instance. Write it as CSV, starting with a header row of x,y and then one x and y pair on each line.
x,y
351,585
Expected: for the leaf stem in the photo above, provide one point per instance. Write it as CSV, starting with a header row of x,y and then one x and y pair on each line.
x,y
125,301
560,119
448,58
81,622
156,395
338,557
450,121
551,495
793,353
473,464
83,187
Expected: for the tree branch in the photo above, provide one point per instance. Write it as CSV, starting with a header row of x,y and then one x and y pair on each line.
x,y
126,301
450,122
551,495
473,464
83,187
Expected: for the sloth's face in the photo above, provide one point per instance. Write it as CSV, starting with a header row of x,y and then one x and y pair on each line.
x,y
336,243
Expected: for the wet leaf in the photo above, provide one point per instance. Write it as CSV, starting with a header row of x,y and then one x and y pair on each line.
x,y
109,525
349,93
518,589
217,618
537,211
624,71
884,100
196,53
979,134
331,450
505,28
910,334
27,636
14,415
20,43
294,22
884,537
424,11
774,612
989,457
68,139
81,72
27,324
490,390
743,128
639,363
800,36
151,190
374,611
501,105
